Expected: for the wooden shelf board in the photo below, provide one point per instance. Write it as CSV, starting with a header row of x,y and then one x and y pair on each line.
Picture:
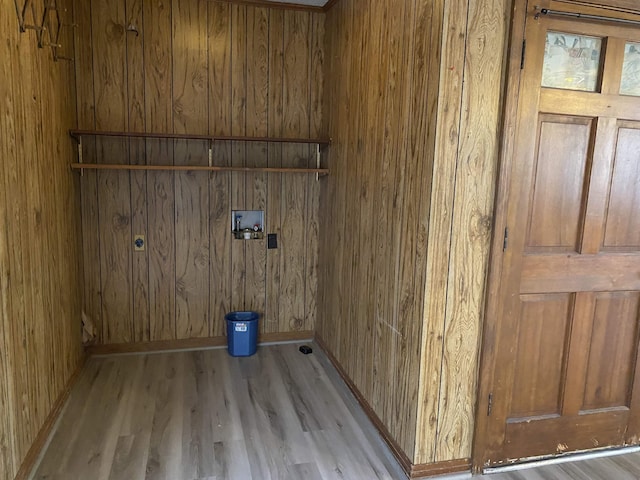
x,y
196,168
178,136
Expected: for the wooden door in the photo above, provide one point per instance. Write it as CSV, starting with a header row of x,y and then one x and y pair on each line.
x,y
565,349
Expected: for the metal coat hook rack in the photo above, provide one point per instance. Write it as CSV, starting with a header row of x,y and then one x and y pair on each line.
x,y
49,26
22,9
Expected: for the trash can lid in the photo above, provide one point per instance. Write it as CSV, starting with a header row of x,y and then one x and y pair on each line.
x,y
242,316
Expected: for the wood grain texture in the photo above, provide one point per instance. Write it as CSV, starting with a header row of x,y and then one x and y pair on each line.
x,y
316,87
204,415
220,111
204,69
138,181
271,321
373,221
408,83
459,245
238,149
294,226
40,246
256,188
190,89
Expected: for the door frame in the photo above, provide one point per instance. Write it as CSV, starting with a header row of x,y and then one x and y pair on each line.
x,y
492,319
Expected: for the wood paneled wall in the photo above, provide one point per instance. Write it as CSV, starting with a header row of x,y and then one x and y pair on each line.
x,y
413,104
199,67
382,85
40,257
469,115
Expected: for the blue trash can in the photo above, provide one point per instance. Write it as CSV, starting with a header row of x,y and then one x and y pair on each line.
x,y
242,333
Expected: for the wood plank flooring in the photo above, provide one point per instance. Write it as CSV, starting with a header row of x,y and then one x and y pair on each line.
x,y
205,415
197,415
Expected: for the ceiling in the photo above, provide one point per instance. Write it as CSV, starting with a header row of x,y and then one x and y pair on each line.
x,y
315,3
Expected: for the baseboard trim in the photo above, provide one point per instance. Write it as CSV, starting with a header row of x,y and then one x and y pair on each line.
x,y
410,469
440,468
191,343
402,458
40,441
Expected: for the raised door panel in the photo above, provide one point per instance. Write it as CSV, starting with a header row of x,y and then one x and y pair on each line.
x,y
613,351
622,230
542,331
559,180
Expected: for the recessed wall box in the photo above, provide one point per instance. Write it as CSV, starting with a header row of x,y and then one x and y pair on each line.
x,y
247,224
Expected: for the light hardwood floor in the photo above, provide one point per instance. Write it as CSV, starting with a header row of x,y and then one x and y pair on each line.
x,y
205,415
198,415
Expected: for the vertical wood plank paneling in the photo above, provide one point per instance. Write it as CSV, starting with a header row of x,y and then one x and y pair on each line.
x,y
220,112
352,216
369,315
138,180
382,201
35,219
67,213
40,256
293,198
274,181
427,262
419,154
190,90
472,222
364,258
333,192
192,242
8,435
405,231
7,450
114,205
238,152
427,76
446,153
114,210
219,68
316,86
256,125
25,408
92,299
160,185
393,231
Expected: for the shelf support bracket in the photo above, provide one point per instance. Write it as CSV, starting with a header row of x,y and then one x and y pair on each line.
x,y
317,161
80,155
210,152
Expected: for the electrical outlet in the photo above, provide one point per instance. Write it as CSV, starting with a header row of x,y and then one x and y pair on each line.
x,y
138,243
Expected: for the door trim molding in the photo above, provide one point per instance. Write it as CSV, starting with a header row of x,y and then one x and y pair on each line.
x,y
493,301
492,298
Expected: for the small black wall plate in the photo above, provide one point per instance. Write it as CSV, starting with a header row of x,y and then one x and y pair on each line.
x,y
272,240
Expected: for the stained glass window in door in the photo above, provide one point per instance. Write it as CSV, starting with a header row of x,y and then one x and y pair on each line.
x,y
571,61
630,83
